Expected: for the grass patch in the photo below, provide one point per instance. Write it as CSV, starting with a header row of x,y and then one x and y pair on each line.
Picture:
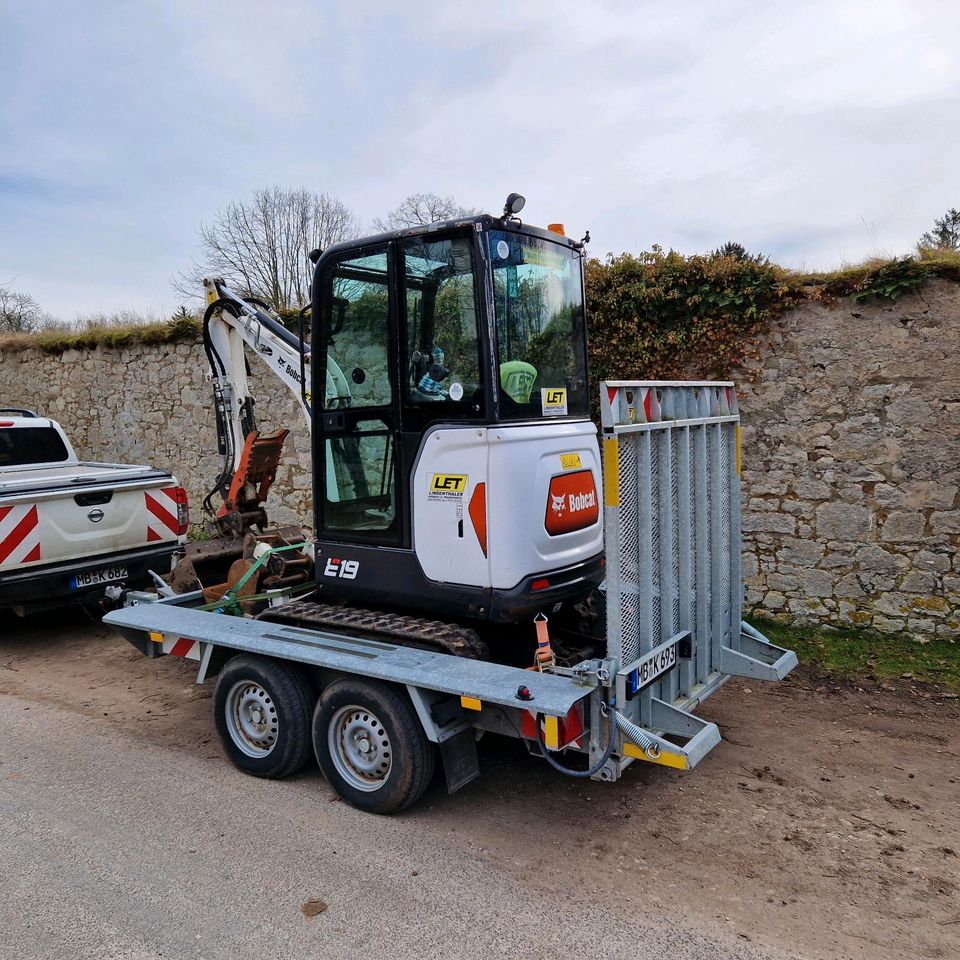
x,y
198,532
853,655
878,277
655,314
93,335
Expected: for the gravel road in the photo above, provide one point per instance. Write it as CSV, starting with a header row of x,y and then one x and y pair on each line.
x,y
117,848
823,827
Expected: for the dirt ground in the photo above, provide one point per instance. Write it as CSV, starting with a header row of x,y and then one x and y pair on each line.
x,y
827,824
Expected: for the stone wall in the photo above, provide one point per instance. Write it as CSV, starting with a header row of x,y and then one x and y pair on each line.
x,y
154,405
851,446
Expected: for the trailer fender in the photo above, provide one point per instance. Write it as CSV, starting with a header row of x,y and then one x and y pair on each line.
x,y
445,724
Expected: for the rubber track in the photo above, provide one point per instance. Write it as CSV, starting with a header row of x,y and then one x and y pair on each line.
x,y
388,627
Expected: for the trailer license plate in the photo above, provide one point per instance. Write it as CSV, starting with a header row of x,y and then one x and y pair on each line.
x,y
92,577
653,668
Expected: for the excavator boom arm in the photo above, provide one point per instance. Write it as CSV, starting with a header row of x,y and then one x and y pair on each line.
x,y
232,323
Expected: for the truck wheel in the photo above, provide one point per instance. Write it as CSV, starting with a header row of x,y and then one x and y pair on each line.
x,y
262,712
370,746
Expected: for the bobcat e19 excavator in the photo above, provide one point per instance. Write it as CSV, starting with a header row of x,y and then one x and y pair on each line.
x,y
457,483
456,468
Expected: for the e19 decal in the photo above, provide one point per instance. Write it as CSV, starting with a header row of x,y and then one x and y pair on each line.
x,y
344,569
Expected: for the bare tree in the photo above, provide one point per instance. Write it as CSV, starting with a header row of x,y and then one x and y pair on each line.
x,y
422,208
19,312
262,245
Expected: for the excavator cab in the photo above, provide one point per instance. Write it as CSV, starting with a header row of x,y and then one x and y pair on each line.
x,y
455,465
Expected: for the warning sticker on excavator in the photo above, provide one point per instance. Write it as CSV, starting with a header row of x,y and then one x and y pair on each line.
x,y
570,460
447,486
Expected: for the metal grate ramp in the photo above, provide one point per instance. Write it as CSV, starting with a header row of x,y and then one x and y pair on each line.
x,y
672,524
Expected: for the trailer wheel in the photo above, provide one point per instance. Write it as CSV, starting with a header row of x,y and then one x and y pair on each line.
x,y
262,712
370,746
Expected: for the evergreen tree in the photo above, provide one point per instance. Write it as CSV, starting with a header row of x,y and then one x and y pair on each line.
x,y
945,234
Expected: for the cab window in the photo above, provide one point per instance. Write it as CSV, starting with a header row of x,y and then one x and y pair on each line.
x,y
358,338
538,305
21,446
358,425
441,363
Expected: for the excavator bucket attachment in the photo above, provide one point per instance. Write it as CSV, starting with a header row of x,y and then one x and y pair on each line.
x,y
251,483
215,566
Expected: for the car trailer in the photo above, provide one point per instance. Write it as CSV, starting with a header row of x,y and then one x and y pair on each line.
x,y
371,711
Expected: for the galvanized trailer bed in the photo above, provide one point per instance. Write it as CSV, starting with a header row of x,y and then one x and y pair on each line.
x,y
673,594
488,683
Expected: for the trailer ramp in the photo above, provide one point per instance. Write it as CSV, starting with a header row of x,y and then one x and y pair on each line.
x,y
672,462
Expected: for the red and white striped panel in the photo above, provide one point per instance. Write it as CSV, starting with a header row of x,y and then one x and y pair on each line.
x,y
161,514
178,646
19,534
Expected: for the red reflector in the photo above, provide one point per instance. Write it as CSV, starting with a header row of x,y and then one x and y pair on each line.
x,y
478,514
540,584
6,423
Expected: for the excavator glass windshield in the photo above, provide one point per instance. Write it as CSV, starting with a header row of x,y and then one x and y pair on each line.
x,y
538,304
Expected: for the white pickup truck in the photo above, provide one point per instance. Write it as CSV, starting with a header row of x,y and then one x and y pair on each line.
x,y
70,529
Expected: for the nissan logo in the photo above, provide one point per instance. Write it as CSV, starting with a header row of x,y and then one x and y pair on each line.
x,y
95,516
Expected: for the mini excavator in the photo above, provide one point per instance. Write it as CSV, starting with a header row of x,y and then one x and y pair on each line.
x,y
442,371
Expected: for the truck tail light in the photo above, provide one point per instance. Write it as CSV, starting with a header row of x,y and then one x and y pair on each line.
x,y
183,510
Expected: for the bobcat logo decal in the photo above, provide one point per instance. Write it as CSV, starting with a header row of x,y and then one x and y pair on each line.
x,y
572,503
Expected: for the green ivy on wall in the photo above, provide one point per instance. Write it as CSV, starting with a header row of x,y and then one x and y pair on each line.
x,y
663,315
654,315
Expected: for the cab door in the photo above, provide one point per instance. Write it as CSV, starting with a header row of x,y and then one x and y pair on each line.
x,y
356,427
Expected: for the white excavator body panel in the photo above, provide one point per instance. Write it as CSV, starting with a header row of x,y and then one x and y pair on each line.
x,y
494,505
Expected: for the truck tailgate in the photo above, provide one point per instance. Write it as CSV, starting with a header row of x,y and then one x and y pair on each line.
x,y
47,523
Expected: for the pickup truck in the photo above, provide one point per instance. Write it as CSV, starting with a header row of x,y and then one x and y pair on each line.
x,y
69,529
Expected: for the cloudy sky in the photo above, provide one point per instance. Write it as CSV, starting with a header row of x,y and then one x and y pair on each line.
x,y
815,132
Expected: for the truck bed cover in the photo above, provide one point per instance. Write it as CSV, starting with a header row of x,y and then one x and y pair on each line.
x,y
39,479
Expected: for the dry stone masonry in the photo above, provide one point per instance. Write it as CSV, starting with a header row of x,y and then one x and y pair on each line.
x,y
851,447
852,463
154,404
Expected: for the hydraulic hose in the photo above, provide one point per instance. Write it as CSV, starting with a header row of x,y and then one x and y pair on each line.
x,y
218,369
579,774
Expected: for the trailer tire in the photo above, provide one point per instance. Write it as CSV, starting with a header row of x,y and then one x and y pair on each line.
x,y
370,745
262,712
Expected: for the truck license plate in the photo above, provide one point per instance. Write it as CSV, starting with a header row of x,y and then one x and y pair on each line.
x,y
657,664
93,577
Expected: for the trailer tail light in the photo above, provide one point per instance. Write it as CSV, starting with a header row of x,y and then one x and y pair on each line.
x,y
183,511
558,732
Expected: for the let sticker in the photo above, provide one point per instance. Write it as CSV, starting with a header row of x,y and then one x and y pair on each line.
x,y
447,486
553,401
